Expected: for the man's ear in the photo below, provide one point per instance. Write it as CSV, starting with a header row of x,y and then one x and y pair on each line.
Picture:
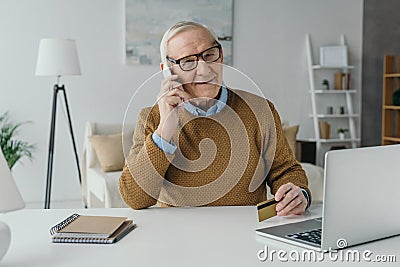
x,y
161,65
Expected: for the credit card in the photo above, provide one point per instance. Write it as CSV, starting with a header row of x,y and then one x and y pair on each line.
x,y
266,209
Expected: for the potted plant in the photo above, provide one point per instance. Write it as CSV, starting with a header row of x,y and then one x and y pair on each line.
x,y
341,133
325,83
13,149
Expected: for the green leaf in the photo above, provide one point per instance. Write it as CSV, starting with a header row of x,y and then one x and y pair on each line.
x,y
13,149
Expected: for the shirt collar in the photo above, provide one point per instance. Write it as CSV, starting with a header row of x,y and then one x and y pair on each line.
x,y
214,109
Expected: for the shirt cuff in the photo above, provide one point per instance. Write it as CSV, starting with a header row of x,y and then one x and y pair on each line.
x,y
306,196
167,147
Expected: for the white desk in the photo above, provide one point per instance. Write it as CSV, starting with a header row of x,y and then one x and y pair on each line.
x,y
217,236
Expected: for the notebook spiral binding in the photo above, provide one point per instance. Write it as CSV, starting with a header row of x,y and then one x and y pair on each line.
x,y
84,240
63,224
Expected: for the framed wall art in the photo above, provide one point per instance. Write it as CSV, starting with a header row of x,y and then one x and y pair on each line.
x,y
146,22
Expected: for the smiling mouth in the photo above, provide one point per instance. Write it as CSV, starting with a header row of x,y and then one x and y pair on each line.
x,y
204,82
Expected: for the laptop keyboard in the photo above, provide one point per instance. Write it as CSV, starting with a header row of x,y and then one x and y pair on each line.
x,y
312,236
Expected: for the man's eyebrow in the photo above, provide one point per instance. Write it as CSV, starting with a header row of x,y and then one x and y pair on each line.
x,y
213,43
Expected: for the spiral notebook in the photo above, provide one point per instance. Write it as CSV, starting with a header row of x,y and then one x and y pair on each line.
x,y
91,229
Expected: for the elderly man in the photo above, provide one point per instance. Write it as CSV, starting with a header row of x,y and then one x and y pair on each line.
x,y
174,163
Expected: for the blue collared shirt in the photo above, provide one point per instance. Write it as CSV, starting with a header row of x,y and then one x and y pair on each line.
x,y
214,109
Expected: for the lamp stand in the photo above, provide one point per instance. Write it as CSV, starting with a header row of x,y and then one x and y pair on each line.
x,y
58,88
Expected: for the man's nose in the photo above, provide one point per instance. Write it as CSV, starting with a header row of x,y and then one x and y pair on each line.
x,y
202,68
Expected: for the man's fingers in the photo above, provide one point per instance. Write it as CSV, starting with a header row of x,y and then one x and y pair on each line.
x,y
174,92
287,199
290,207
291,200
170,85
294,202
170,78
296,211
282,191
173,101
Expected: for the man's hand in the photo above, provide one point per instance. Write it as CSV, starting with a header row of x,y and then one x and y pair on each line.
x,y
291,200
171,96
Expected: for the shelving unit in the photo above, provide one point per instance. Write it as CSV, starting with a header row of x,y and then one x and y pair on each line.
x,y
334,116
349,91
320,96
316,67
390,113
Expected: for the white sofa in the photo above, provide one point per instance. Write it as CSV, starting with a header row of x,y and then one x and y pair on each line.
x,y
100,188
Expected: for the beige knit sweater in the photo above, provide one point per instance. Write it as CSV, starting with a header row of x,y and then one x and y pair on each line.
x,y
224,159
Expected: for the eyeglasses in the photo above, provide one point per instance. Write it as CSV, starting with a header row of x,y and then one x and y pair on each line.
x,y
188,63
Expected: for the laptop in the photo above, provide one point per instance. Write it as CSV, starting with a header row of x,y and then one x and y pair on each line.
x,y
360,201
8,188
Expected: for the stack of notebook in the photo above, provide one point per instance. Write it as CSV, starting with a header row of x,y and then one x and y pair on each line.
x,y
91,229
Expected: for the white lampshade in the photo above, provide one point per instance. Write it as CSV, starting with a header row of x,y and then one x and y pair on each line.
x,y
10,198
57,57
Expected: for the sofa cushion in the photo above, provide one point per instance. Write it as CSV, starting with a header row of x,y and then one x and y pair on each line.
x,y
109,151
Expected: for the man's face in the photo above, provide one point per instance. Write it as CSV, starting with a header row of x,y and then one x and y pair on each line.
x,y
206,79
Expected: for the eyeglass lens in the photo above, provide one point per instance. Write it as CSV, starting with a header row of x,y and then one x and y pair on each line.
x,y
190,62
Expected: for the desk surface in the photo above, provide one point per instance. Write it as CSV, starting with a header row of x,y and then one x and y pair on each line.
x,y
212,236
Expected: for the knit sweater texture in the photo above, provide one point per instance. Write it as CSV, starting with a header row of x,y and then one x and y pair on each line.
x,y
222,160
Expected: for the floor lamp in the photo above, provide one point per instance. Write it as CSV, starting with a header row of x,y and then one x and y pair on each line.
x,y
57,57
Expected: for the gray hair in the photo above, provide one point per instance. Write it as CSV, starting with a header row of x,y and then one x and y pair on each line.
x,y
180,27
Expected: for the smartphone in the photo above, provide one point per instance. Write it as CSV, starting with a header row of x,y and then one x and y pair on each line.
x,y
166,71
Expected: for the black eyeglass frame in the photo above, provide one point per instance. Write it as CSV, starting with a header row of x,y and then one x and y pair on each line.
x,y
177,61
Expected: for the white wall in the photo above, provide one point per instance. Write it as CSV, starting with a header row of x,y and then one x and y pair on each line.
x,y
269,46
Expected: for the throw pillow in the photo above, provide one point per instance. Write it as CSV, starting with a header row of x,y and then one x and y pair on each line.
x,y
290,134
109,151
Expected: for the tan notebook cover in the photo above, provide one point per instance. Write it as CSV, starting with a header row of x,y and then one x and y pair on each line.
x,y
96,226
126,227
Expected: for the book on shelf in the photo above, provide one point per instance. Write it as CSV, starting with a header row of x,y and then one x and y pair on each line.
x,y
325,130
342,81
91,229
